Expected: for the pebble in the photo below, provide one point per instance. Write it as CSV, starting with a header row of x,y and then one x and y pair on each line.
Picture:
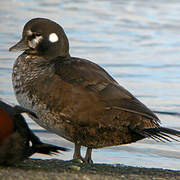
x,y
75,168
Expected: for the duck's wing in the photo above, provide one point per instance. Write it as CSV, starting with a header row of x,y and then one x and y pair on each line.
x,y
89,77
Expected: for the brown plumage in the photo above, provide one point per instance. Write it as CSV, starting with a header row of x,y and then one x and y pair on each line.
x,y
15,136
76,98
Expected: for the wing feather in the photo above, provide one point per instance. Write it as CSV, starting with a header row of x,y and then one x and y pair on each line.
x,y
93,78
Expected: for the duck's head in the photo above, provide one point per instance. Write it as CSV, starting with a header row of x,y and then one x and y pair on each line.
x,y
43,37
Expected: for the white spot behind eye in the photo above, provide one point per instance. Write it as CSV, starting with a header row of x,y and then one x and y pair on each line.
x,y
53,37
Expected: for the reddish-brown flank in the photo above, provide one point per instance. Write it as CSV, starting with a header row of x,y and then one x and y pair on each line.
x,y
6,125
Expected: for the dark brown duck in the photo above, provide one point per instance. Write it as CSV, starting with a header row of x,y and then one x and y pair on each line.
x,y
17,141
75,98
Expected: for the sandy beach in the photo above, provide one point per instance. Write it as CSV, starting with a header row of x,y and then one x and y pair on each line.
x,y
35,169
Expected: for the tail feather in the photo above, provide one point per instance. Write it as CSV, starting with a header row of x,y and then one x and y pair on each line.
x,y
163,134
159,134
48,149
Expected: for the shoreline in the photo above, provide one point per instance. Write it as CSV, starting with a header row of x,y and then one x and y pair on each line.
x,y
36,169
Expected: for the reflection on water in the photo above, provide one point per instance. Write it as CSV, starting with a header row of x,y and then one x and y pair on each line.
x,y
137,42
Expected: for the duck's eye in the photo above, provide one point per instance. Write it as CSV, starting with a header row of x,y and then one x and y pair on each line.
x,y
38,34
34,40
33,36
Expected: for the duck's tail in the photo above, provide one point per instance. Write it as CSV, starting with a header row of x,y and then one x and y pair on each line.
x,y
160,134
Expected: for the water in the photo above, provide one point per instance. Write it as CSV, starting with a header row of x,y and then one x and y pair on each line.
x,y
137,42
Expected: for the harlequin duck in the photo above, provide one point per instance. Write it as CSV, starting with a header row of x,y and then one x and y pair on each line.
x,y
75,98
15,136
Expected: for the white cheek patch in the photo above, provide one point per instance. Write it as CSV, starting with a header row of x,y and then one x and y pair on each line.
x,y
53,37
34,42
29,33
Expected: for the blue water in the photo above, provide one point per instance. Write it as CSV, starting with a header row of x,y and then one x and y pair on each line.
x,y
137,42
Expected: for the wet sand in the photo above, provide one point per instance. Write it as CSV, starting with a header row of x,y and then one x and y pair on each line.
x,y
35,169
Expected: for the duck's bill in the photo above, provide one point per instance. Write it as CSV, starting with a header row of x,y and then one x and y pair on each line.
x,y
20,46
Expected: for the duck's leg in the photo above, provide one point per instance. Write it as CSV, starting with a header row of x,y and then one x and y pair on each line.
x,y
77,152
87,158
